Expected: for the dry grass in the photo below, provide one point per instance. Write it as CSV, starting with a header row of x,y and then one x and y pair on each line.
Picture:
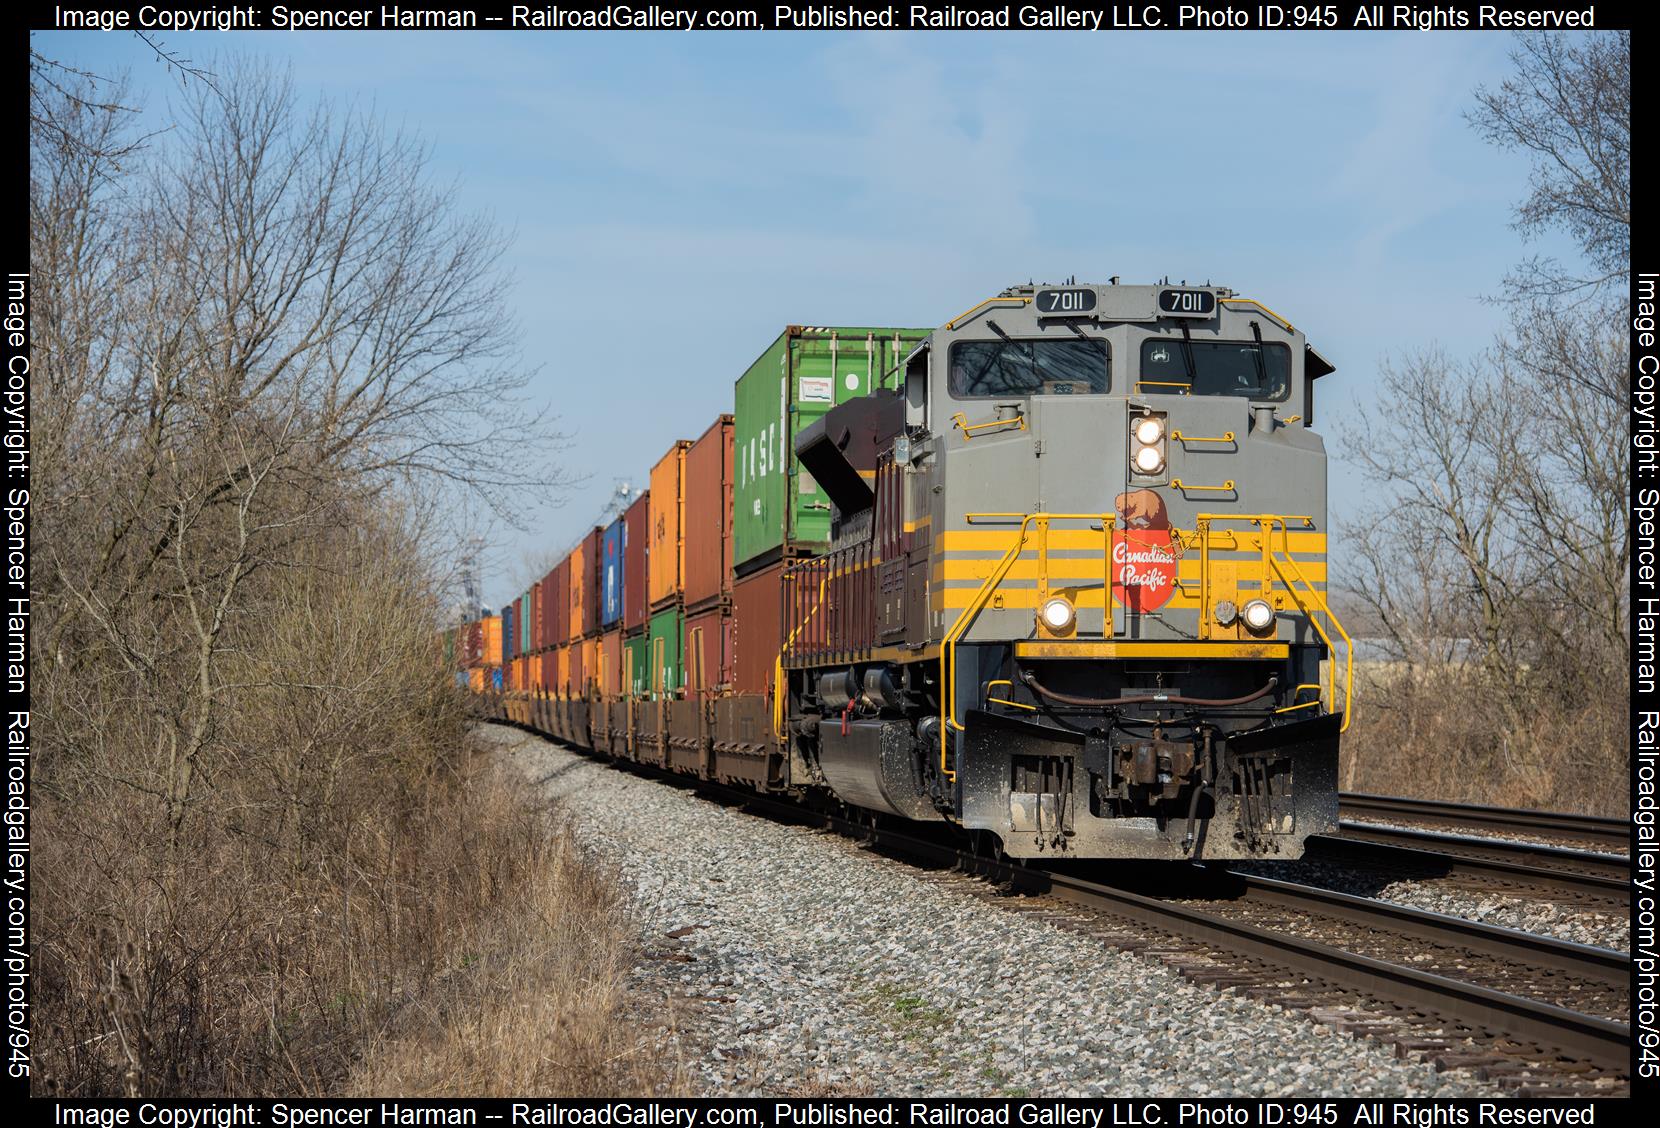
x,y
532,1000
1444,734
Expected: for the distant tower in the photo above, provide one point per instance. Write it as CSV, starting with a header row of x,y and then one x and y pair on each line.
x,y
472,599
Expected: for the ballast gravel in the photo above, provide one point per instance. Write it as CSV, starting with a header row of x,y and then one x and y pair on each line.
x,y
792,961
1578,923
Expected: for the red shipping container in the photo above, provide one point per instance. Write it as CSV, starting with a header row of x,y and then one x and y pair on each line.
x,y
556,611
593,580
709,635
534,613
636,543
708,521
758,609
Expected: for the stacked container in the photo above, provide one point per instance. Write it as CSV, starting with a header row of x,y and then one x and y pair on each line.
x,y
592,545
612,584
636,545
637,664
709,651
707,534
580,567
665,563
758,606
556,605
707,529
779,511
664,638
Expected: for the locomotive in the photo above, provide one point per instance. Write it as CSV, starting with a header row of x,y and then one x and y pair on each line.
x,y
1069,592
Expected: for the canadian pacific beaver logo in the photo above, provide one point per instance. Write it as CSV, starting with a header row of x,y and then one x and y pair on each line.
x,y
1144,556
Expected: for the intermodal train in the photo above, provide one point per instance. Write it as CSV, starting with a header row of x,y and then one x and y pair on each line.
x,y
1053,572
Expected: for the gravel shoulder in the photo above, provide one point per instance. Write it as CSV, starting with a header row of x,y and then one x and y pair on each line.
x,y
787,960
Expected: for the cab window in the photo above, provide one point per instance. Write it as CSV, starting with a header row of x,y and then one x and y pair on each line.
x,y
1174,366
1074,367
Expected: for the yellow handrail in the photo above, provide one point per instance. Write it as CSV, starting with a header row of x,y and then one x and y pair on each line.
x,y
1316,601
960,421
1348,643
967,313
948,645
778,664
1225,487
1227,437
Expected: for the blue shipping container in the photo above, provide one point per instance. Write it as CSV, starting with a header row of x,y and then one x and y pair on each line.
x,y
611,553
495,679
507,634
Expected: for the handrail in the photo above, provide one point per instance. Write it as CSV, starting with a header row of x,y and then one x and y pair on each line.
x,y
948,645
960,421
1227,437
970,312
1316,603
778,663
1225,487
1348,643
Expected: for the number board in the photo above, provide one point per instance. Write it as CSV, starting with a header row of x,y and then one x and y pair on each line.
x,y
1187,303
1052,302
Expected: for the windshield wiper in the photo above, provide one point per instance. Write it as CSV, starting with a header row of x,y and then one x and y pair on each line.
x,y
1187,354
1262,367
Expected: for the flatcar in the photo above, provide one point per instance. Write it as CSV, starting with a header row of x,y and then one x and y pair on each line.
x,y
1053,572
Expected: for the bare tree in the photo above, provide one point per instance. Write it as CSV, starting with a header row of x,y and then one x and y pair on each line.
x,y
244,337
1505,525
1568,104
266,346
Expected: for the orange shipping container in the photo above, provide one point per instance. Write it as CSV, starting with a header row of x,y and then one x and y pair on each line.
x,y
708,516
590,666
665,565
562,671
492,641
475,679
579,587
533,672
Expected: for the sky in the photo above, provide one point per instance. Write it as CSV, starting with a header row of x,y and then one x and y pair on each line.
x,y
674,199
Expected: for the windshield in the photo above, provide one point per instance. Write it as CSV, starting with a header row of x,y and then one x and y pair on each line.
x,y
1074,367
1225,368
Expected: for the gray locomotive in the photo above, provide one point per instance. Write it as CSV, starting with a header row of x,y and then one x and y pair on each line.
x,y
1076,592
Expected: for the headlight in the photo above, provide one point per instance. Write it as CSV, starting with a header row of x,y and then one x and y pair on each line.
x,y
1258,615
1057,614
1149,430
1148,460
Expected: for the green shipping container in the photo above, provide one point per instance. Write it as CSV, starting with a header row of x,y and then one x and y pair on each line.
x,y
449,650
664,663
806,371
637,665
523,617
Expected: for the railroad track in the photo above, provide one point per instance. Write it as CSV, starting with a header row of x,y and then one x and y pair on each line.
x,y
1535,1014
1522,868
1594,831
